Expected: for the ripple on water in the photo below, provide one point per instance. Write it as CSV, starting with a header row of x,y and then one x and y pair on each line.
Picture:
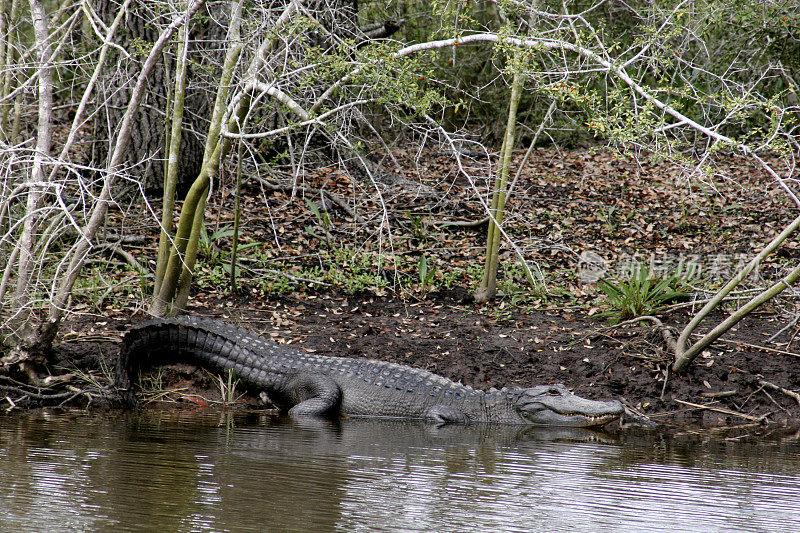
x,y
220,473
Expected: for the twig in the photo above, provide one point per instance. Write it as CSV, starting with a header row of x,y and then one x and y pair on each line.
x,y
782,408
460,223
310,190
720,394
757,347
115,248
723,411
737,295
787,392
636,416
666,332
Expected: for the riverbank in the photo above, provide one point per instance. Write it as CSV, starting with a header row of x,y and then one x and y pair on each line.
x,y
388,274
488,346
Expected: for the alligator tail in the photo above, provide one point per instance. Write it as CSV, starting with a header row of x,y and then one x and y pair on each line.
x,y
213,345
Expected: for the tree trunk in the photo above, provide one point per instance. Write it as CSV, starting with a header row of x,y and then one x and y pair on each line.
x,y
146,154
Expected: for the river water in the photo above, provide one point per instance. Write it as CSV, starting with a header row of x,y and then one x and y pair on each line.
x,y
213,471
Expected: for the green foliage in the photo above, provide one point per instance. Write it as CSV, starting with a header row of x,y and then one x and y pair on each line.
x,y
208,245
103,285
515,286
343,269
212,276
323,220
213,267
152,385
641,294
426,272
418,229
227,388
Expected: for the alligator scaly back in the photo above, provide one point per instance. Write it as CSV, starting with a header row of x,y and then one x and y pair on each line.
x,y
364,386
309,384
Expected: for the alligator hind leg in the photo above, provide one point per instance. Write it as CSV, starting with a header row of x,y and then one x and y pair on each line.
x,y
313,395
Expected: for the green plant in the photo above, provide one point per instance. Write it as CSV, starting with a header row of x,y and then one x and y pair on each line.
x,y
227,388
207,245
323,220
345,269
212,276
214,266
508,284
450,276
642,294
355,271
154,387
418,229
612,219
426,272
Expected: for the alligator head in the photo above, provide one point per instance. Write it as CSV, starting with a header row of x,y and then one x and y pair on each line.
x,y
554,405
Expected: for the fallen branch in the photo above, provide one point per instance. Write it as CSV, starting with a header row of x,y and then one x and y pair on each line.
x,y
665,331
758,347
778,388
723,411
636,417
720,394
128,257
445,224
310,190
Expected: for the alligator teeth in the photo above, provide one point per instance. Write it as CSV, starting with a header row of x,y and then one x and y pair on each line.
x,y
592,418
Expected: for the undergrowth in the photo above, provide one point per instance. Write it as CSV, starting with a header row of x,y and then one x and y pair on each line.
x,y
643,293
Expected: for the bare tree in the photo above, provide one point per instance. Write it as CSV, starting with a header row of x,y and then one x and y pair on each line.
x,y
46,220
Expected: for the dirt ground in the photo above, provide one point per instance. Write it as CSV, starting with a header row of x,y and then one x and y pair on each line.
x,y
486,346
567,205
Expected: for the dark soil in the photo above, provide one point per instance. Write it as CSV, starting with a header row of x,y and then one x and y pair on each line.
x,y
488,346
566,204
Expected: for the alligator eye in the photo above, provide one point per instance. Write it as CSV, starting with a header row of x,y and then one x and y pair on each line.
x,y
553,391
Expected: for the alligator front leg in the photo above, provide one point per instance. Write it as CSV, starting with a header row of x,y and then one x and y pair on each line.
x,y
444,414
313,395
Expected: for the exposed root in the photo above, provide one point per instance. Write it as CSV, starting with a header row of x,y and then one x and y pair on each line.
x,y
666,332
18,394
787,392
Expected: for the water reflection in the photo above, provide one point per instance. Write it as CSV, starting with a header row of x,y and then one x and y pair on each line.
x,y
218,472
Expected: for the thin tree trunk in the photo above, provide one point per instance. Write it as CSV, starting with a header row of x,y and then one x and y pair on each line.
x,y
171,177
7,60
37,178
175,285
683,355
488,286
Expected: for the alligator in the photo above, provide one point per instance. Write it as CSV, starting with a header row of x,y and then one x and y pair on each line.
x,y
307,384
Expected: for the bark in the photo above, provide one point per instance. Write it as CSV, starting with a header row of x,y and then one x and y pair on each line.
x,y
144,160
8,17
171,180
488,285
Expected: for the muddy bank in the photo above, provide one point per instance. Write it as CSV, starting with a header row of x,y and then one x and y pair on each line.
x,y
495,346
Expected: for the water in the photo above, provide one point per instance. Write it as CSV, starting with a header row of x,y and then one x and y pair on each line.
x,y
207,471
